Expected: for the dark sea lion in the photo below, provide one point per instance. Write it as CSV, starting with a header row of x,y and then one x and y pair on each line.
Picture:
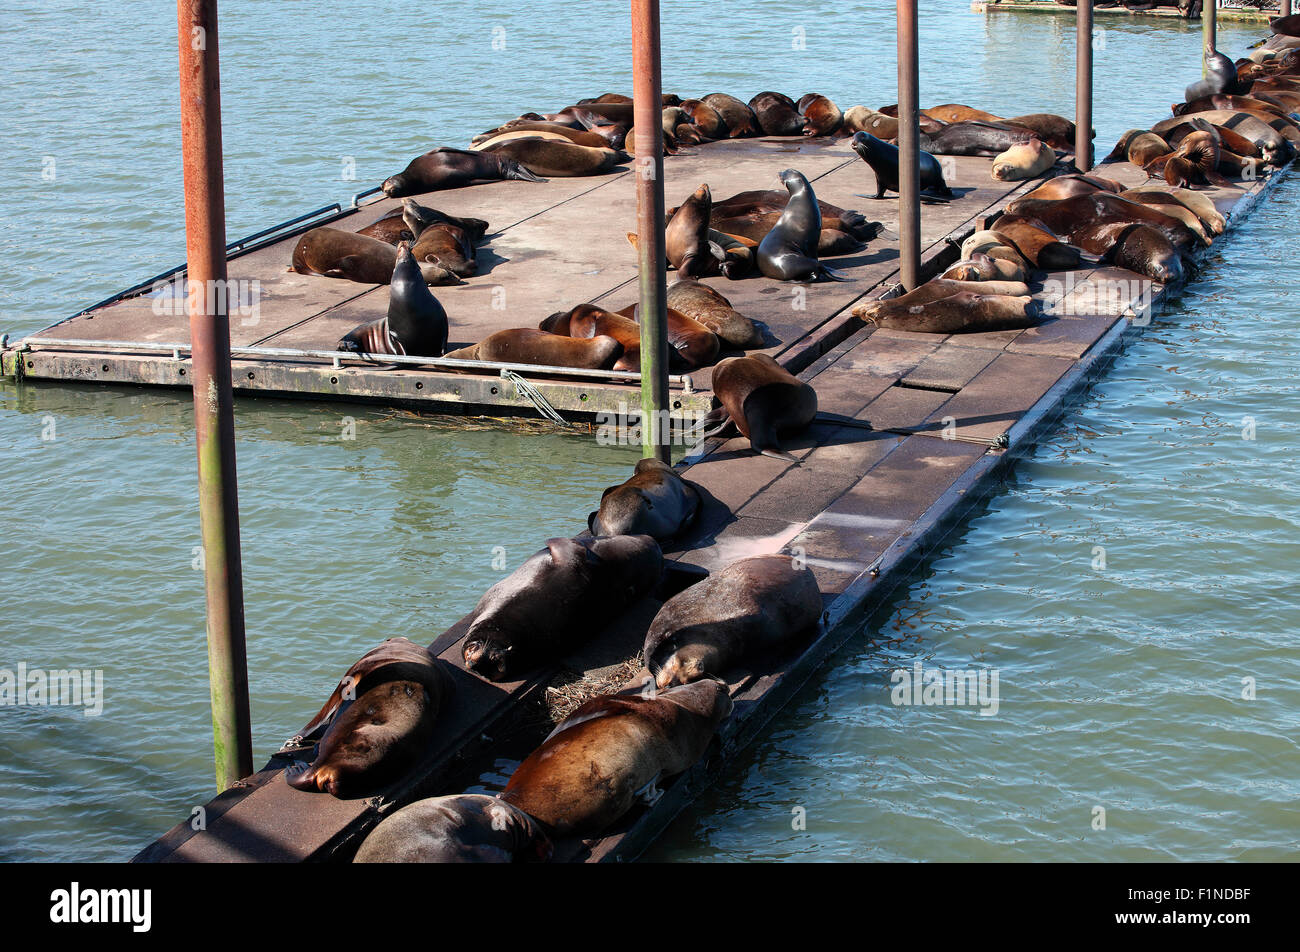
x,y
557,157
448,246
686,237
422,216
789,251
400,224
443,168
415,324
1056,131
883,159
557,600
821,116
1233,103
702,303
465,828
579,136
1145,250
740,119
972,137
1220,77
612,750
690,343
605,113
1066,186
335,253
380,718
763,400
962,313
752,607
777,114
1097,214
653,501
706,118
523,345
587,321
763,201
1039,245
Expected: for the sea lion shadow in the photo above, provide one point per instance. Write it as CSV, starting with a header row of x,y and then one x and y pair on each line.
x,y
933,425
487,259
862,258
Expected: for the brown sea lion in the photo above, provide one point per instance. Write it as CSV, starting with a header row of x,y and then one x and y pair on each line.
x,y
444,167
1167,204
961,313
524,345
557,157
335,253
448,246
821,116
1067,186
763,400
740,119
522,126
415,323
588,321
686,237
1140,147
702,303
706,118
777,114
594,114
1098,215
690,343
1272,144
557,600
653,501
423,216
762,202
400,224
464,828
1038,245
612,750
380,718
1056,131
751,607
1200,205
983,267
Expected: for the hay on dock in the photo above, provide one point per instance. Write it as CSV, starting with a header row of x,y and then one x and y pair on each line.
x,y
570,689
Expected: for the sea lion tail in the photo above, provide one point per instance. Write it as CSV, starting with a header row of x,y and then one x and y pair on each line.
x,y
517,171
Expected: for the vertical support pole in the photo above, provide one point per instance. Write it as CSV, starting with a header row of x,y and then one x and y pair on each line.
x,y
214,417
1210,31
647,112
1083,87
1284,8
909,131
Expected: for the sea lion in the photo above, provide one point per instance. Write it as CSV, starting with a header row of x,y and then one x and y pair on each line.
x,y
1254,104
961,313
821,116
1066,186
992,244
1039,245
423,216
448,246
983,267
686,237
556,600
524,345
415,324
1139,146
751,607
883,159
759,202
444,167
464,828
335,253
777,114
1145,250
1056,131
594,114
1167,204
557,157
524,126
763,400
1272,145
740,119
587,321
1091,221
706,118
1199,204
400,224
1024,161
690,343
972,137
377,721
703,304
789,251
653,501
589,772
1220,78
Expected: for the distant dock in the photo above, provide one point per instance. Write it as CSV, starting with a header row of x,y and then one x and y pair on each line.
x,y
1239,14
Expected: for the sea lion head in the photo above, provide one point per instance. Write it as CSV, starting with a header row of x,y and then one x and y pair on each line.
x,y
794,181
395,186
490,654
686,664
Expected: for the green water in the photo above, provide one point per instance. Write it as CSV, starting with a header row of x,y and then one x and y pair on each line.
x,y
1120,688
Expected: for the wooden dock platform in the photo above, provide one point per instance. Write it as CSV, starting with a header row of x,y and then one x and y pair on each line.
x,y
1239,14
914,431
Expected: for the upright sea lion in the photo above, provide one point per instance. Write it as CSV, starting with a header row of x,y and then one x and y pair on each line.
x,y
380,719
883,159
611,750
464,828
763,400
1024,161
523,345
335,253
777,114
587,321
702,303
653,501
1220,77
448,246
789,251
557,157
821,116
686,237
556,600
415,324
453,168
751,607
740,119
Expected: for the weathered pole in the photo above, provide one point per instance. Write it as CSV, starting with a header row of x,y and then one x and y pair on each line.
x,y
1284,9
1083,87
1210,31
647,111
214,416
909,132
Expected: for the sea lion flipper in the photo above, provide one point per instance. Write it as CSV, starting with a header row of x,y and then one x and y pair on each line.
x,y
781,455
650,793
833,274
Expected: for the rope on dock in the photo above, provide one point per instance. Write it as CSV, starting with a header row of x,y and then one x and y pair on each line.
x,y
534,396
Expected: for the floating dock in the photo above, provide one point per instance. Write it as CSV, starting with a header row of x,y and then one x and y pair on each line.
x,y
1239,14
914,430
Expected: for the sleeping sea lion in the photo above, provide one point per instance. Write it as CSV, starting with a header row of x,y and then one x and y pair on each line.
x,y
335,253
702,303
444,167
653,501
524,345
464,828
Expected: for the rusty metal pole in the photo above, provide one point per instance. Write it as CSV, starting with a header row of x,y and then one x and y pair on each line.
x,y
1083,87
909,132
1210,32
214,416
647,111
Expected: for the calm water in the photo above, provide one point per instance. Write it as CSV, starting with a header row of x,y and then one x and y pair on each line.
x,y
1120,688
